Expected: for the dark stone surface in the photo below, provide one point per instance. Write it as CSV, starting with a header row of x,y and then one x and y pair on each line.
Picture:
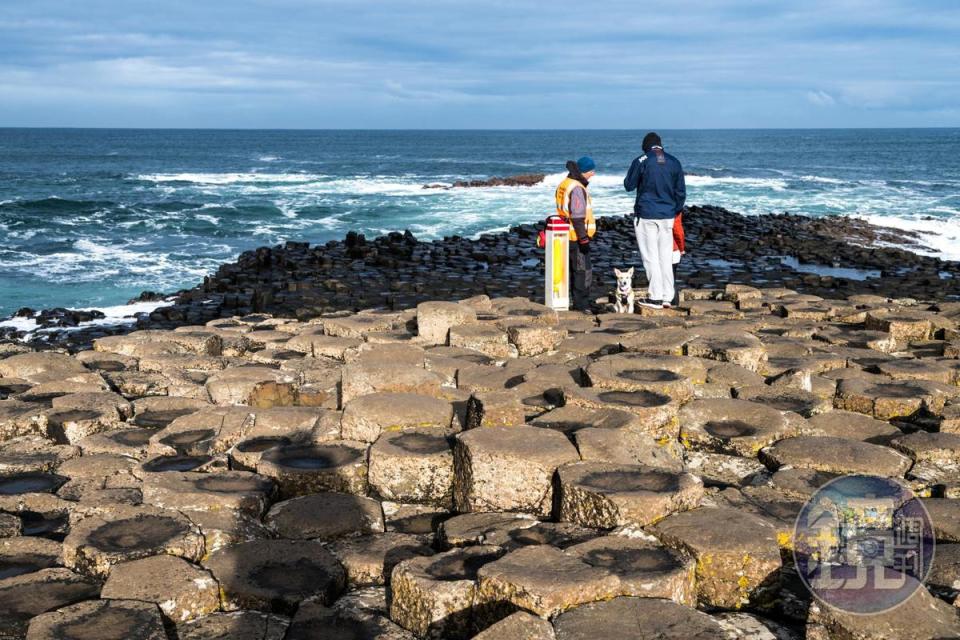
x,y
396,271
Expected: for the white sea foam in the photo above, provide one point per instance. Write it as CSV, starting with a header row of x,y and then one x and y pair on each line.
x,y
940,235
113,316
229,178
775,184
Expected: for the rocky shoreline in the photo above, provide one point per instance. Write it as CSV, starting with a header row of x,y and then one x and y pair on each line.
x,y
829,257
486,469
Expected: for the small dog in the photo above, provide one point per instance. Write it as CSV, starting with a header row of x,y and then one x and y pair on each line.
x,y
625,296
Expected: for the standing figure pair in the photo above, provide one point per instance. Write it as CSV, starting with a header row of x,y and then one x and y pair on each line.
x,y
657,177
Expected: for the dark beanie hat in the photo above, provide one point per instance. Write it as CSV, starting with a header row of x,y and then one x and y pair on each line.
x,y
586,164
650,141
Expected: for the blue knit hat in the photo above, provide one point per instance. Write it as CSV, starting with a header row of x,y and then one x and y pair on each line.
x,y
585,164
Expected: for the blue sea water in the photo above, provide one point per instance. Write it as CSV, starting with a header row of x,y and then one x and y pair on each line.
x,y
92,217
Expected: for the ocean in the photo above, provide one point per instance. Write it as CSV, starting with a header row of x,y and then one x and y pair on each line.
x,y
92,217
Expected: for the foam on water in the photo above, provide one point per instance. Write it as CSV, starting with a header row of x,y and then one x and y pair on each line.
x,y
113,316
170,206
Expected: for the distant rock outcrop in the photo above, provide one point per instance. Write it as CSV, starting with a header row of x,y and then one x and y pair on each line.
x,y
524,180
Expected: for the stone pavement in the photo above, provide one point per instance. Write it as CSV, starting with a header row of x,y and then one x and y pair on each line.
x,y
487,468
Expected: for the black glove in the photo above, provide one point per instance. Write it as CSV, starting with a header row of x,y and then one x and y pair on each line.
x,y
584,248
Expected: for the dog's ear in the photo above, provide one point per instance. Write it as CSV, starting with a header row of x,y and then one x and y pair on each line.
x,y
617,272
630,272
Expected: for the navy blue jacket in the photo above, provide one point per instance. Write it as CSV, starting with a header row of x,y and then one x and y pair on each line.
x,y
657,177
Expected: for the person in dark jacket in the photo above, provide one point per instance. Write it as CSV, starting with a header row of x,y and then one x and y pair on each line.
x,y
575,205
657,177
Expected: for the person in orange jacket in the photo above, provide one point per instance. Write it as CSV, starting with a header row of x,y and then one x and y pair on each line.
x,y
679,238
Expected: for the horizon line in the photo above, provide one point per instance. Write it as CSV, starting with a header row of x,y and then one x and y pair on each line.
x,y
469,129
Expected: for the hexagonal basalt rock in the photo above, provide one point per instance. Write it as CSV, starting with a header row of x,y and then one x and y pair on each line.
x,y
435,596
544,581
637,619
363,379
325,516
518,626
275,575
41,367
743,349
30,594
163,464
502,408
100,619
644,567
657,412
899,399
481,528
626,447
852,426
922,446
902,326
434,319
302,469
369,560
239,491
734,427
32,454
78,415
358,325
22,419
570,419
235,625
413,467
737,554
555,534
366,417
182,591
925,369
508,468
535,339
836,455
158,412
209,431
20,555
30,482
128,442
920,617
486,339
632,374
719,469
253,386
313,620
800,484
314,343
603,495
805,403
224,528
945,517
98,542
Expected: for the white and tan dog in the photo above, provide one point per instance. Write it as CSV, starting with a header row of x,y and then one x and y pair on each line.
x,y
625,296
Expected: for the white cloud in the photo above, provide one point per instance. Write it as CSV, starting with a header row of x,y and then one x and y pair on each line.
x,y
820,98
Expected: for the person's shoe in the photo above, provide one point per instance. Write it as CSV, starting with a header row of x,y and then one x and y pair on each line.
x,y
667,305
651,304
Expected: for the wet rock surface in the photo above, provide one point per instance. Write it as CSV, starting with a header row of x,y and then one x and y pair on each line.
x,y
443,469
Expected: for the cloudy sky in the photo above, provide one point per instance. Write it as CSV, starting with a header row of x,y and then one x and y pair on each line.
x,y
469,64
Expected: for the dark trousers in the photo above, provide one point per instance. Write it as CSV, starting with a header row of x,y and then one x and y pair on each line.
x,y
581,278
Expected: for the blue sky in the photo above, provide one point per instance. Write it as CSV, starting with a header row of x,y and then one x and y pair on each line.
x,y
491,64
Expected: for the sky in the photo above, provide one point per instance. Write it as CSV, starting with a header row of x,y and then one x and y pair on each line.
x,y
613,64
